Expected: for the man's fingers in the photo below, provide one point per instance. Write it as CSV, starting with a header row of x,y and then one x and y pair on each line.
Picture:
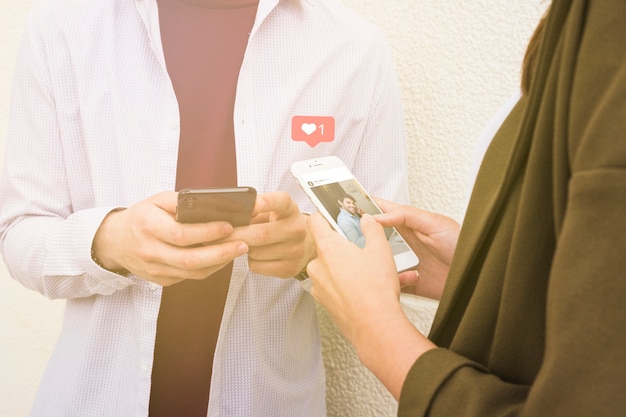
x,y
188,234
260,234
166,200
153,222
278,202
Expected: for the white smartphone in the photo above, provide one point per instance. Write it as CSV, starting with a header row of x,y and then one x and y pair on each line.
x,y
341,199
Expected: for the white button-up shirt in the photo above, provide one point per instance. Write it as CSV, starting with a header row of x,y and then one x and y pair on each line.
x,y
95,125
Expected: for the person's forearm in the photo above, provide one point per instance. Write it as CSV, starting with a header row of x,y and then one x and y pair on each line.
x,y
388,345
51,255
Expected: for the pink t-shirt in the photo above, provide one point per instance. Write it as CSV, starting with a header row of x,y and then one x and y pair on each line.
x,y
204,42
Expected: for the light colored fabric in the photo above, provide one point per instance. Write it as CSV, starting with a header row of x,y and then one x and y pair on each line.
x,y
94,126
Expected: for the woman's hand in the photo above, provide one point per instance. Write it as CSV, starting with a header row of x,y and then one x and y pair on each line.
x,y
432,236
348,280
360,290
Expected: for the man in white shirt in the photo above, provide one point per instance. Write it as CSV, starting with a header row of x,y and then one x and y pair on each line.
x,y
348,220
87,207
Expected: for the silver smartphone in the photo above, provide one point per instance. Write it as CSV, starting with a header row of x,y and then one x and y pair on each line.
x,y
202,205
342,200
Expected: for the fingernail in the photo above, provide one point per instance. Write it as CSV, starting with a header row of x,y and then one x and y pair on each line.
x,y
261,204
368,217
243,248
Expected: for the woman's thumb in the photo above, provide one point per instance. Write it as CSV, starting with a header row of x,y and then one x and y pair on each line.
x,y
373,231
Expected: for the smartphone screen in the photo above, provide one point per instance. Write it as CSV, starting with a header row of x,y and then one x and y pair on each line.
x,y
202,205
342,200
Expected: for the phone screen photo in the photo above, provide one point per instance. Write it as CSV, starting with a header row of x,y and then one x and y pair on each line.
x,y
342,200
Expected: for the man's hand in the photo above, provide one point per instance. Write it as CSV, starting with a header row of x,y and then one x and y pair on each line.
x,y
278,238
146,240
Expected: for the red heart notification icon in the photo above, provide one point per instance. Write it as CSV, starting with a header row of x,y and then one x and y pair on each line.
x,y
313,129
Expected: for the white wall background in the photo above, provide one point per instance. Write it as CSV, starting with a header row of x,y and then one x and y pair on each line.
x,y
458,61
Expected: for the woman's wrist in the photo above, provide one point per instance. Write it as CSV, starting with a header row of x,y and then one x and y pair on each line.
x,y
389,347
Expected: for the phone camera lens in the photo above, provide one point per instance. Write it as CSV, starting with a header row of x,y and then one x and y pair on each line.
x,y
190,202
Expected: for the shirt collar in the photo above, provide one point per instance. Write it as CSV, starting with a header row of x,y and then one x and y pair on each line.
x,y
266,7
347,212
149,11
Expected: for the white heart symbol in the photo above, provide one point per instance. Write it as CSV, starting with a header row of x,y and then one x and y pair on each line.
x,y
308,128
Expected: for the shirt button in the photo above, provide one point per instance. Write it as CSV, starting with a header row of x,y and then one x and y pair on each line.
x,y
145,368
154,286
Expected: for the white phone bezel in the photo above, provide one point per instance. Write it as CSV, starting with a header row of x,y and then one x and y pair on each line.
x,y
307,174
